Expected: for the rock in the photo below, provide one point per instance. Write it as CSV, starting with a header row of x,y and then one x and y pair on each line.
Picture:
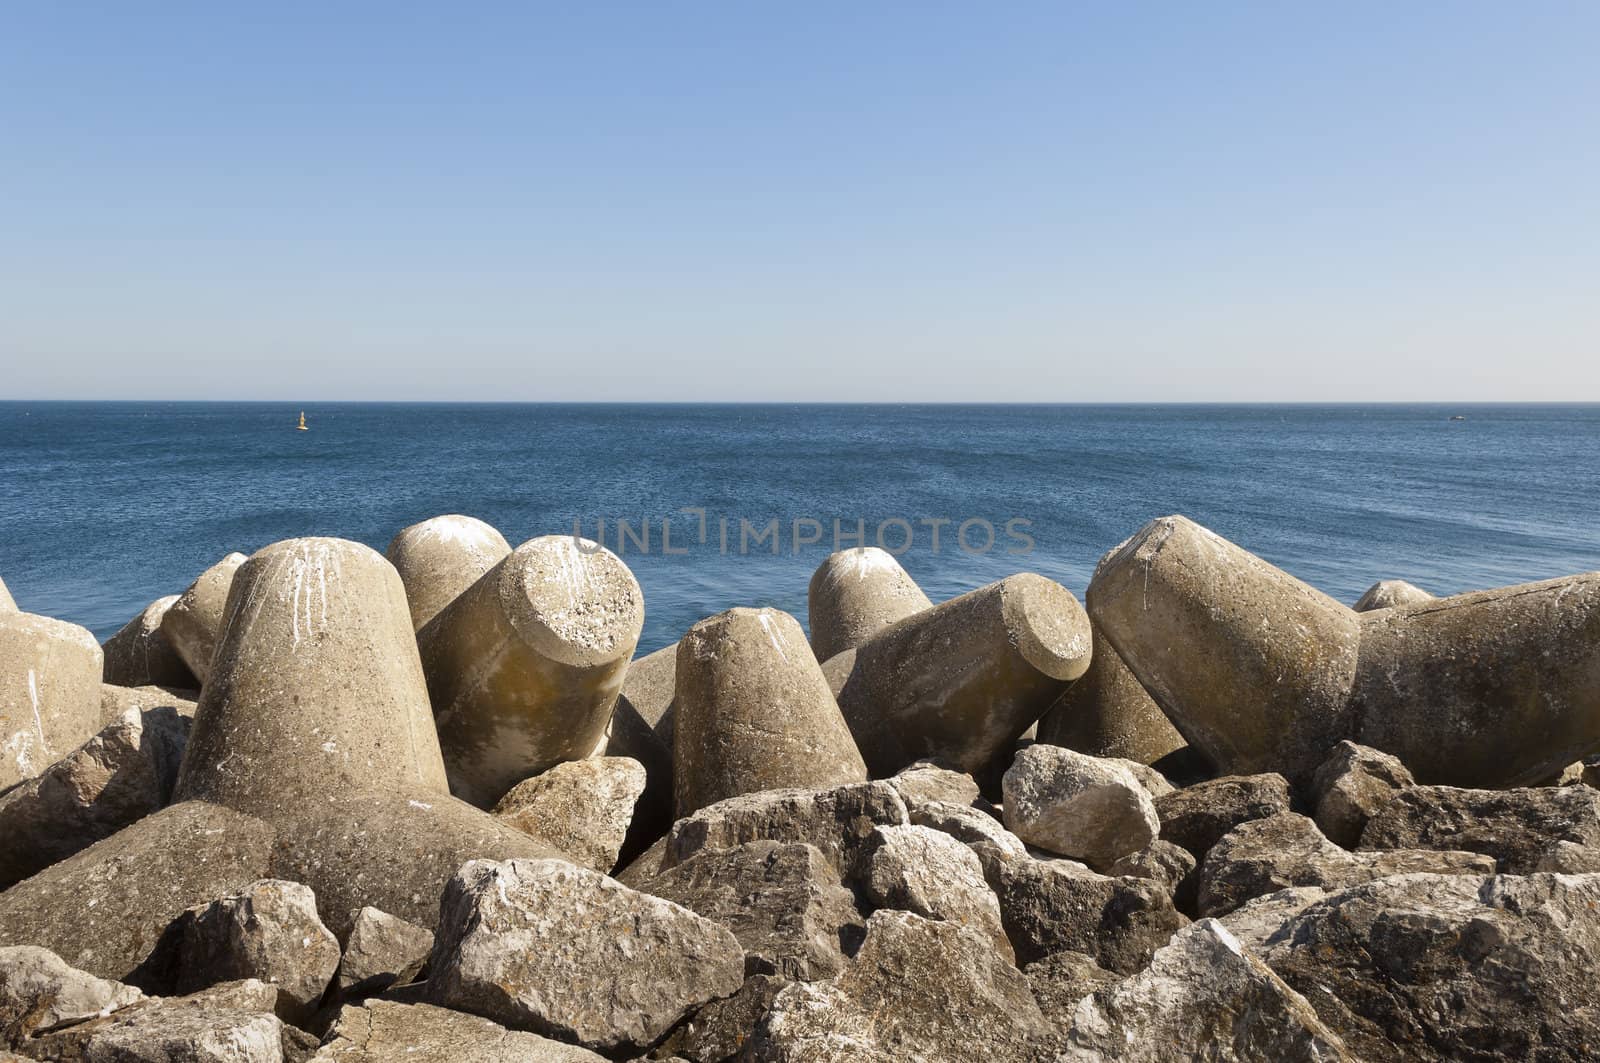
x,y
721,1030
192,624
753,712
115,700
49,693
440,557
783,901
107,910
1061,980
855,594
970,826
1197,816
524,666
1520,829
1049,906
1257,922
381,1031
582,807
381,947
1350,786
1388,593
921,870
122,774
1266,855
139,654
961,681
1202,997
1251,665
1437,967
39,990
629,736
546,946
1168,865
1155,784
1108,714
925,782
1079,806
268,931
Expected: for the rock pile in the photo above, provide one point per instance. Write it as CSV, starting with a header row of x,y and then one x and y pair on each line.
x,y
330,805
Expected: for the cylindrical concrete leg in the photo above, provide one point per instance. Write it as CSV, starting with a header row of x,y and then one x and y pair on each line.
x,y
753,712
1108,714
317,688
140,655
441,557
961,681
854,595
49,693
524,666
1388,593
8,604
191,624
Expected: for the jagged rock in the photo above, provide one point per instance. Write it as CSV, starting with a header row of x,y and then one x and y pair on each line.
x,y
1155,784
918,989
122,774
192,624
855,594
1079,806
1520,829
49,693
115,700
582,807
971,826
440,557
1197,816
1350,786
140,655
1388,593
719,1031
1258,921
1060,980
1163,863
1108,714
268,931
380,948
1449,967
381,1031
1202,997
782,901
926,781
1266,855
922,870
560,950
39,990
628,735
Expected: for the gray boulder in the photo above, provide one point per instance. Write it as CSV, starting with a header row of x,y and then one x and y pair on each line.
x,y
1521,829
140,655
1079,806
1197,816
582,807
40,990
1351,786
379,950
720,1031
922,870
1062,979
268,931
971,826
927,781
381,1031
1168,865
191,624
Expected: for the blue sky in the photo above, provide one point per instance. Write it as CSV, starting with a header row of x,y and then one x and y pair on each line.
x,y
695,201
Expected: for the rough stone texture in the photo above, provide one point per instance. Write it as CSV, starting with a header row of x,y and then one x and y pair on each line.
x,y
1496,688
49,693
753,712
380,947
1258,921
38,990
315,685
650,685
1050,906
440,557
961,681
647,687
1266,855
1350,786
1202,997
1169,865
1108,714
1080,806
855,594
140,655
566,952
107,910
192,624
269,931
1388,593
922,870
1197,816
1450,967
8,604
525,665
382,1031
783,901
1251,665
925,782
970,826
721,1030
1520,829
122,774
1155,784
918,989
1061,980
582,807
115,700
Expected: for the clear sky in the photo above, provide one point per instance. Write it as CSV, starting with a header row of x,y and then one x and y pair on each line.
x,y
839,201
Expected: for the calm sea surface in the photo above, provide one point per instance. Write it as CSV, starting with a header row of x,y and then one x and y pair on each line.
x,y
106,506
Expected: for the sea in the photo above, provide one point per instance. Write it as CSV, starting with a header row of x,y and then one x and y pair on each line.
x,y
106,506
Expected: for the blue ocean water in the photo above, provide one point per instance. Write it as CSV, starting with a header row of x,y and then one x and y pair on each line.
x,y
106,506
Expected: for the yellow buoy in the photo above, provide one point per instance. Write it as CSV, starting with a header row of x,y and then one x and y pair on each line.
x,y
302,425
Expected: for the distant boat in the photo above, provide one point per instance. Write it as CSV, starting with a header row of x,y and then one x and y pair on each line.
x,y
302,425
1455,417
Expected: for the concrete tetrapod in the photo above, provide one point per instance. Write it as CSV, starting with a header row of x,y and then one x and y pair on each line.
x,y
1108,714
139,654
525,665
855,594
8,604
440,557
192,623
49,693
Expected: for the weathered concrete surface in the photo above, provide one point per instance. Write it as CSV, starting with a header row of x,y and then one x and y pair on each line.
x,y
524,666
192,624
1083,807
650,685
1108,714
628,735
8,604
140,655
39,990
961,681
1523,829
115,700
382,1031
49,693
1198,816
316,687
922,870
1388,593
440,557
380,948
855,594
546,946
1495,688
753,712
1351,786
1251,665
582,807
